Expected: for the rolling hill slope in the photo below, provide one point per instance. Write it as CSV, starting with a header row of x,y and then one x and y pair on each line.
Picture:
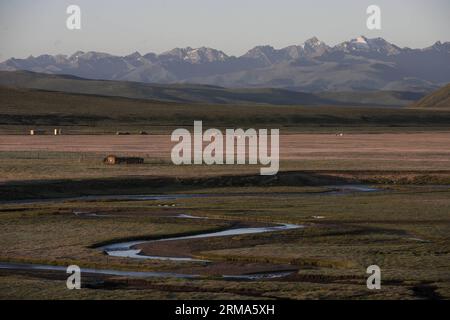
x,y
439,99
25,109
190,93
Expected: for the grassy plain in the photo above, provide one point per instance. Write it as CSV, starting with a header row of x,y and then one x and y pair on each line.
x,y
405,231
80,157
404,227
24,109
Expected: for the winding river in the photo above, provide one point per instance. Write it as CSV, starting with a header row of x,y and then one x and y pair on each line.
x,y
125,249
128,250
332,190
138,274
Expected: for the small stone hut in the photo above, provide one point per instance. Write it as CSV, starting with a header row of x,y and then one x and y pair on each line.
x,y
112,159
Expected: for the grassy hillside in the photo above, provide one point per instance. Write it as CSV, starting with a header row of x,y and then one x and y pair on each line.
x,y
439,99
190,93
22,109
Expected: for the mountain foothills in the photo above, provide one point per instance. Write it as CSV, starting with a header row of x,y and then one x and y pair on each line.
x,y
360,64
439,99
205,94
25,109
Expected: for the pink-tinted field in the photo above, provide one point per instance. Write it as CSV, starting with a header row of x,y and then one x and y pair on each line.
x,y
413,146
80,156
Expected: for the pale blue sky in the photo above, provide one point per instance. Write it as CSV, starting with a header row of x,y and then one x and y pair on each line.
x,y
234,26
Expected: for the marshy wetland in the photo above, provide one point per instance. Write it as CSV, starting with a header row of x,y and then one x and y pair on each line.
x,y
402,228
360,199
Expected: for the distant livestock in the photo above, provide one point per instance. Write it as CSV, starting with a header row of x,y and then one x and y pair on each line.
x,y
112,159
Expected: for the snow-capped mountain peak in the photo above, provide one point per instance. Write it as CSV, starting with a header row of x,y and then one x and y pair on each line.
x,y
195,56
365,45
313,42
310,66
313,47
360,39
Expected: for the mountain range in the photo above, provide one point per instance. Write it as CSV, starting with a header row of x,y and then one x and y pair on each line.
x,y
360,64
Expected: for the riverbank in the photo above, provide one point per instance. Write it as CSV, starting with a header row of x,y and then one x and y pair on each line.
x,y
403,230
310,181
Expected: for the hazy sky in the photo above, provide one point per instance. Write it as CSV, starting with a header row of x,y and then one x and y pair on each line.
x,y
234,26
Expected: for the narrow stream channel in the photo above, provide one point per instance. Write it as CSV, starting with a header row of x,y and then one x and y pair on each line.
x,y
138,274
126,249
333,190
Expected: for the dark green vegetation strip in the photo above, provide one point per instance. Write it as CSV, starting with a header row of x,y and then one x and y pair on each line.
x,y
195,93
146,185
22,108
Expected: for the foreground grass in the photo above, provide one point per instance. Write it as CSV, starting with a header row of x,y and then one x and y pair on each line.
x,y
14,287
54,235
82,166
405,231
